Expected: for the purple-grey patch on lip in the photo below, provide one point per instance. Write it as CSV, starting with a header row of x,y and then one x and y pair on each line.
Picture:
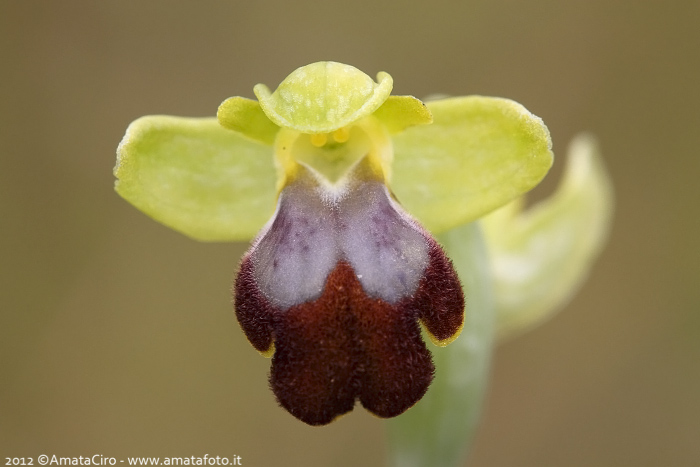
x,y
310,233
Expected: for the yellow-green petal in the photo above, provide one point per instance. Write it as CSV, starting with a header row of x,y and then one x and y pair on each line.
x,y
197,177
245,116
323,97
541,256
478,154
400,112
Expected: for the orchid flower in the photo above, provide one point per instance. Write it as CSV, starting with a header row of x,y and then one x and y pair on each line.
x,y
361,208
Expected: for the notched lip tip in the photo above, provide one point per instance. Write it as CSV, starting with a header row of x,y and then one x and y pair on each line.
x,y
267,353
447,340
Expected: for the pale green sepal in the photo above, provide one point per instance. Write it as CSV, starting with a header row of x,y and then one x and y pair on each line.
x,y
197,177
479,154
541,256
323,97
245,116
438,430
400,112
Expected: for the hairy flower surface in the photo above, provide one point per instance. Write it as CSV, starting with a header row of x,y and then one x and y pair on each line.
x,y
346,183
335,286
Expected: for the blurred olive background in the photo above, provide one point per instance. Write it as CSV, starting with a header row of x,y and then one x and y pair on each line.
x,y
117,335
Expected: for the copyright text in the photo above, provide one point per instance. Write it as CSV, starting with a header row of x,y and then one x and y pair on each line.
x,y
99,459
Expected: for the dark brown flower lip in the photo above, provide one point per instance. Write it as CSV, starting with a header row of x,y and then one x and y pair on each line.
x,y
346,346
335,289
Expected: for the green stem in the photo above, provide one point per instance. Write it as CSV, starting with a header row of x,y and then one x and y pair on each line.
x,y
438,430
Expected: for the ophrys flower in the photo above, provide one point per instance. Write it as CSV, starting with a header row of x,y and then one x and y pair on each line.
x,y
341,173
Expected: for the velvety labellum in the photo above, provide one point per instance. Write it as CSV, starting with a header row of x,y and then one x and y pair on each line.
x,y
336,285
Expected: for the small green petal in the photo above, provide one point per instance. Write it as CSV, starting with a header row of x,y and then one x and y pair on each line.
x,y
400,112
540,257
245,116
479,154
191,174
323,97
437,431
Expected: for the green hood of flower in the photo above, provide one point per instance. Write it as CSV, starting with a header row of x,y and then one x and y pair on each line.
x,y
323,97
